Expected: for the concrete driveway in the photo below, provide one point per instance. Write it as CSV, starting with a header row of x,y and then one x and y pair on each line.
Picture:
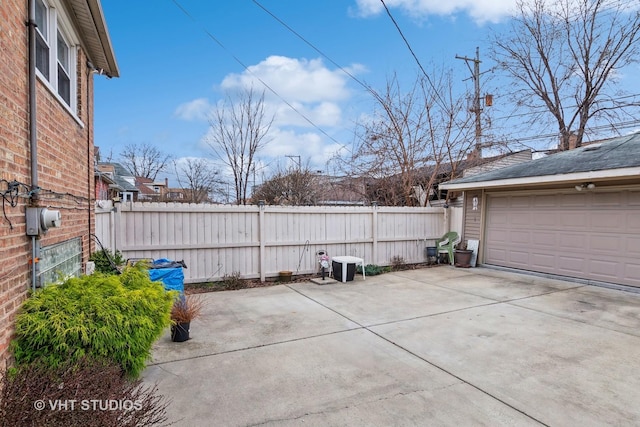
x,y
437,346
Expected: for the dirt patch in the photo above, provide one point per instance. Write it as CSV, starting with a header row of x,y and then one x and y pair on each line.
x,y
230,285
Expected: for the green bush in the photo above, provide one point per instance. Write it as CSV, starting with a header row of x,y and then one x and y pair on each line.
x,y
105,317
373,270
105,261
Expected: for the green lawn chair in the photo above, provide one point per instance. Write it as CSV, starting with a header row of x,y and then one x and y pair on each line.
x,y
446,244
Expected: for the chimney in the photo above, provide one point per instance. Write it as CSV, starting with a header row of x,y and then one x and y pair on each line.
x,y
573,141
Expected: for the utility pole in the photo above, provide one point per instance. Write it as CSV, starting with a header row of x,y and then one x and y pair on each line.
x,y
477,108
292,157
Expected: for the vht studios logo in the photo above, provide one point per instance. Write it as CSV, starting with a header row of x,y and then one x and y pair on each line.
x,y
88,405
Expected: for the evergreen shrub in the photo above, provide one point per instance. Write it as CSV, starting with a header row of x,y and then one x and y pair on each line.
x,y
106,262
116,318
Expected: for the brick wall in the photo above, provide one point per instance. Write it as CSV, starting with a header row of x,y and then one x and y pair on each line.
x,y
65,162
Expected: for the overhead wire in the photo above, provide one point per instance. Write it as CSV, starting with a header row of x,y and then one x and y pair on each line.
x,y
368,88
415,57
248,70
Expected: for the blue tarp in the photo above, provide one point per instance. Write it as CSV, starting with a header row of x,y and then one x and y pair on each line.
x,y
169,273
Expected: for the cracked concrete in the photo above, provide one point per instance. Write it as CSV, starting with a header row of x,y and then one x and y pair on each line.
x,y
438,346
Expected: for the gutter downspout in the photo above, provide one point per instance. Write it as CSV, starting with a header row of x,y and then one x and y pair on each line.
x,y
33,133
33,130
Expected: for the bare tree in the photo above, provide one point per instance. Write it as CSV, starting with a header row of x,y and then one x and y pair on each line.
x,y
403,145
238,132
198,178
144,160
293,187
563,56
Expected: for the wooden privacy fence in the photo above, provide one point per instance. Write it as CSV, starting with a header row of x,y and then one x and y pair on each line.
x,y
259,242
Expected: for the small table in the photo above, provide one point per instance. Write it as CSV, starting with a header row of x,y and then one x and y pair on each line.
x,y
344,260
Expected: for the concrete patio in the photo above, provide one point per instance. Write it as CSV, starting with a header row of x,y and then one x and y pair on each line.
x,y
435,346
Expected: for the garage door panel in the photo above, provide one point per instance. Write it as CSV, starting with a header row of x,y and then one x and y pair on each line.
x,y
541,260
632,246
543,238
522,218
632,219
520,237
498,255
520,202
605,244
608,222
590,235
572,200
570,242
571,219
604,269
544,201
575,265
607,199
546,221
518,257
632,274
501,218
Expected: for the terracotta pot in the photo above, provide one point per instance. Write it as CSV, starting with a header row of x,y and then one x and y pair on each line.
x,y
285,276
462,258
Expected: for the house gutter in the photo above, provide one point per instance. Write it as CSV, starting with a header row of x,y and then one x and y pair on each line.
x,y
572,178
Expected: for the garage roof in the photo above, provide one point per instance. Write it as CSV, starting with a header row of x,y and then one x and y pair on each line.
x,y
617,158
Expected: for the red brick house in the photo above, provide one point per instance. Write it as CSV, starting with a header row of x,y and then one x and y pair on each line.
x,y
51,50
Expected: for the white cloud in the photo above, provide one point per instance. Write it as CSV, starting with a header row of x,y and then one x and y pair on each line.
x,y
321,114
296,80
310,146
195,110
480,10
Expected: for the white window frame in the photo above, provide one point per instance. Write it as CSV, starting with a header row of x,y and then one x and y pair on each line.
x,y
58,23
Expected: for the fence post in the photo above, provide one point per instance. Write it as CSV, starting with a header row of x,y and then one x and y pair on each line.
x,y
374,226
261,237
115,225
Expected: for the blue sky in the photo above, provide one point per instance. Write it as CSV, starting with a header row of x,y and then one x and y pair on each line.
x,y
173,72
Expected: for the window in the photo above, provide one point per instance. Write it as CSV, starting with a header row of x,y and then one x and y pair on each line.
x,y
55,53
42,45
64,75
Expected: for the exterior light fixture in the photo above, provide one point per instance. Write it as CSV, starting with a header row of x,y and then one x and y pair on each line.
x,y
587,185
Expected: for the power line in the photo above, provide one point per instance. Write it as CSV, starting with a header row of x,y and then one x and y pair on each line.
x,y
284,24
246,68
443,104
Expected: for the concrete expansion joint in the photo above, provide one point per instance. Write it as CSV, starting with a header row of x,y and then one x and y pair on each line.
x,y
201,356
334,409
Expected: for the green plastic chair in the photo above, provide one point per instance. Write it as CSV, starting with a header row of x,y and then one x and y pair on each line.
x,y
447,243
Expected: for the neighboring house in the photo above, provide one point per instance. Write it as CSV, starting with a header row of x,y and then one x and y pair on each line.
x,y
575,213
150,190
105,186
124,187
472,165
46,142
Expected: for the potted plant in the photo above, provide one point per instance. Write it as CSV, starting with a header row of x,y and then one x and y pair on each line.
x,y
462,255
184,310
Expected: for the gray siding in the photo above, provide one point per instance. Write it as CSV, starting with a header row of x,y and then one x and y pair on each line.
x,y
472,220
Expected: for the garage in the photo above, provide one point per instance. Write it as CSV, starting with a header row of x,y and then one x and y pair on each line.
x,y
574,213
592,235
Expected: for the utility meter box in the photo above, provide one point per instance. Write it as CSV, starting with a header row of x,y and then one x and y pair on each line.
x,y
40,220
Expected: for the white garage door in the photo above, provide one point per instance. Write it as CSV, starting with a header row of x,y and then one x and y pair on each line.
x,y
592,234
